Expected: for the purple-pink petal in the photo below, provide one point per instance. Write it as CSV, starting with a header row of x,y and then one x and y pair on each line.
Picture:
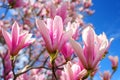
x,y
15,35
58,30
62,11
65,37
7,37
45,33
88,37
79,51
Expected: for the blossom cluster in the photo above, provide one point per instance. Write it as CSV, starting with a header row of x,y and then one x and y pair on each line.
x,y
49,40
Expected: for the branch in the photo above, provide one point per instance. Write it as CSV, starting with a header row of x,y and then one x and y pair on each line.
x,y
30,68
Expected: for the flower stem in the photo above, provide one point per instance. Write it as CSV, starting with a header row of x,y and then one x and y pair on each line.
x,y
53,70
13,61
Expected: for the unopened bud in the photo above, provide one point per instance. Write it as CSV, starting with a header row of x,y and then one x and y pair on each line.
x,y
114,61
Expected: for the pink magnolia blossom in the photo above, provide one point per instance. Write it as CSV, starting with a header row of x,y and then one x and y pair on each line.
x,y
87,3
60,11
73,72
16,41
7,64
5,56
16,3
67,51
53,33
93,50
114,61
106,75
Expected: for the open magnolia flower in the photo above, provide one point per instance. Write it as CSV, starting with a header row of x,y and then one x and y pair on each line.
x,y
53,34
16,41
94,48
73,72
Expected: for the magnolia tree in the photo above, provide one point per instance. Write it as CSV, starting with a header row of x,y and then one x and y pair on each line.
x,y
48,40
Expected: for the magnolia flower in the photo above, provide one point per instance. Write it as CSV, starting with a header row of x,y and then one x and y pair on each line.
x,y
75,28
5,56
87,3
114,61
53,34
16,41
93,50
73,72
60,11
7,62
106,75
16,3
67,51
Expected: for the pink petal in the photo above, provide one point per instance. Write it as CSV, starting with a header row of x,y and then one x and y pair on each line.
x,y
114,61
88,36
65,37
83,73
21,37
110,43
57,30
7,38
76,69
45,33
62,11
64,50
64,76
67,50
52,10
15,34
100,54
69,71
50,27
21,42
78,49
28,37
29,42
106,75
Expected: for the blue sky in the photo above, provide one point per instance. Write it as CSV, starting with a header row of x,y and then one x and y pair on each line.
x,y
107,19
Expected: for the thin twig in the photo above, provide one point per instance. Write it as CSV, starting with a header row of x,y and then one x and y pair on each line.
x,y
30,68
53,70
13,66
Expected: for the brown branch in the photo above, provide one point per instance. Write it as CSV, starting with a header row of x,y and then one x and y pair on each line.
x,y
30,68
